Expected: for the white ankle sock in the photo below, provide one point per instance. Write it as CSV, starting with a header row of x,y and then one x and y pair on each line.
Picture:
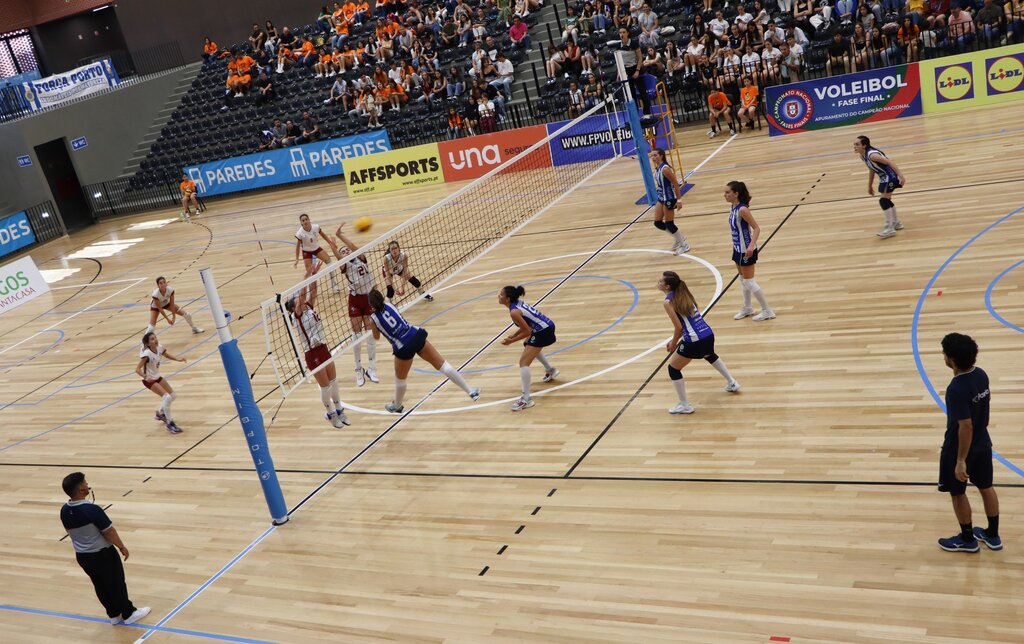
x,y
455,376
335,395
720,367
541,358
524,379
325,398
399,391
680,386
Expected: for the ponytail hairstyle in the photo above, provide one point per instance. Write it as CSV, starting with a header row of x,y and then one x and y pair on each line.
x,y
682,299
865,141
145,339
513,293
740,189
376,301
661,154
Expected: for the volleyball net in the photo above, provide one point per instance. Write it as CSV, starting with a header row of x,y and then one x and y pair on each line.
x,y
449,236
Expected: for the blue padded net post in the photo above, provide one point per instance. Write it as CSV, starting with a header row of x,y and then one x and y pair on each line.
x,y
245,403
643,152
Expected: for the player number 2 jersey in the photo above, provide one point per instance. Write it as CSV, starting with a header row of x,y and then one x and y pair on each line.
x,y
533,317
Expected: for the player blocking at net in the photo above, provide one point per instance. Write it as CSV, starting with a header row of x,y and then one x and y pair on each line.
x,y
360,283
407,342
314,344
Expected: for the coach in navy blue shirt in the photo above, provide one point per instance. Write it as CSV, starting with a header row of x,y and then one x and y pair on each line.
x,y
94,539
967,448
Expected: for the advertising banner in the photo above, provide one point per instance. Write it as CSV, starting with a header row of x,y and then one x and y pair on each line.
x,y
20,282
861,97
59,88
591,139
394,170
15,233
978,78
475,156
286,165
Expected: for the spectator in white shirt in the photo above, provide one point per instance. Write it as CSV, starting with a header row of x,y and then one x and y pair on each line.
x,y
506,74
692,56
743,17
719,28
769,62
648,21
751,62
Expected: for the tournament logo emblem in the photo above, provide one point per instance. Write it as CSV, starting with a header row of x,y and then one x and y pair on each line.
x,y
793,109
1005,74
954,82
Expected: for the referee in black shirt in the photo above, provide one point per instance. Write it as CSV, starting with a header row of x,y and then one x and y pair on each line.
x,y
967,447
94,539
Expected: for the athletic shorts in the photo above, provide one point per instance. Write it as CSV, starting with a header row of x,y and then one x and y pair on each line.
x,y
412,347
541,338
317,356
149,383
743,260
359,306
979,470
310,254
697,350
670,204
885,186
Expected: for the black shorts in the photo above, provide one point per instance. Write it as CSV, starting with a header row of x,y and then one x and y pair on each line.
x,y
743,260
979,470
541,338
697,350
414,346
670,204
886,186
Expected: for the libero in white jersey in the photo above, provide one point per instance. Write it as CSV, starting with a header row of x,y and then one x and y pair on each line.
x,y
396,264
161,302
151,356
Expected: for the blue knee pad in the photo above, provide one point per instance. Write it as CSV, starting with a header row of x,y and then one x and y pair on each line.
x,y
674,374
885,203
671,227
660,225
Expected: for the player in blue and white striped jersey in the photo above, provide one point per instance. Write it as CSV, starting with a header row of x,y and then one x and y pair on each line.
x,y
667,185
745,232
692,338
889,179
408,341
537,330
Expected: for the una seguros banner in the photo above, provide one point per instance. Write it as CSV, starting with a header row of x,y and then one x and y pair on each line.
x,y
872,95
20,282
286,165
979,78
473,157
395,170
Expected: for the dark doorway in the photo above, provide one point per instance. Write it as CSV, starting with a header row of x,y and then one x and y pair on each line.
x,y
60,173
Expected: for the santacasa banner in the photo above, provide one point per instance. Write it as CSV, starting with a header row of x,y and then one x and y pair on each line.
x,y
286,165
978,78
20,282
406,168
475,156
861,97
60,88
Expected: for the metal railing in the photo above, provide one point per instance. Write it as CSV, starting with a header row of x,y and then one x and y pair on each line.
x,y
46,225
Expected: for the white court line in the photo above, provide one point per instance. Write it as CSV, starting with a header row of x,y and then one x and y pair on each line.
x,y
137,280
73,315
719,284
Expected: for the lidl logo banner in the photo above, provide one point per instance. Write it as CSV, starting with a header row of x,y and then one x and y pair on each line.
x,y
1005,74
954,82
977,78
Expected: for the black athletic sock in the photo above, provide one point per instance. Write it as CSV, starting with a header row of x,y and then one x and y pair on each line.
x,y
993,526
967,531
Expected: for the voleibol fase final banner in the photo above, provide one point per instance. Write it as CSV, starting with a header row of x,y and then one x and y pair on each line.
x,y
862,97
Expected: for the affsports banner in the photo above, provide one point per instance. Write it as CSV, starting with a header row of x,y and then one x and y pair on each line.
x,y
395,170
20,282
286,165
978,78
59,88
861,97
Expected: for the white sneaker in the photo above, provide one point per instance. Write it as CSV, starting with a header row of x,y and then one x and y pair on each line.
x,y
371,373
765,314
474,393
732,387
330,416
550,375
341,418
744,312
681,408
360,379
712,134
898,225
888,231
197,330
522,403
681,248
137,615
393,408
117,619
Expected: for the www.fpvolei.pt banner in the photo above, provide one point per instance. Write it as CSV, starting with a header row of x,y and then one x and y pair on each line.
x,y
862,97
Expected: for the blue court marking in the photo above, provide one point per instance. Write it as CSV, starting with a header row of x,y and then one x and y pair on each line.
x,y
60,337
914,341
121,399
99,620
253,241
217,575
632,307
988,299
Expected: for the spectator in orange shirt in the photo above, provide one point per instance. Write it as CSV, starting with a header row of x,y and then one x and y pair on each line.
x,y
285,58
718,105
348,12
188,194
456,124
340,33
324,65
748,102
362,12
209,51
396,94
307,54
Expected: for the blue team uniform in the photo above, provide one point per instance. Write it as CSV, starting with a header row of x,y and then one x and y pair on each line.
x,y
888,181
698,339
542,326
666,189
741,237
406,339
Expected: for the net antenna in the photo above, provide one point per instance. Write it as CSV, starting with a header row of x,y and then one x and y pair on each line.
x,y
444,239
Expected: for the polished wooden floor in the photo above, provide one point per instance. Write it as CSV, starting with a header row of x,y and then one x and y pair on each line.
x,y
802,509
